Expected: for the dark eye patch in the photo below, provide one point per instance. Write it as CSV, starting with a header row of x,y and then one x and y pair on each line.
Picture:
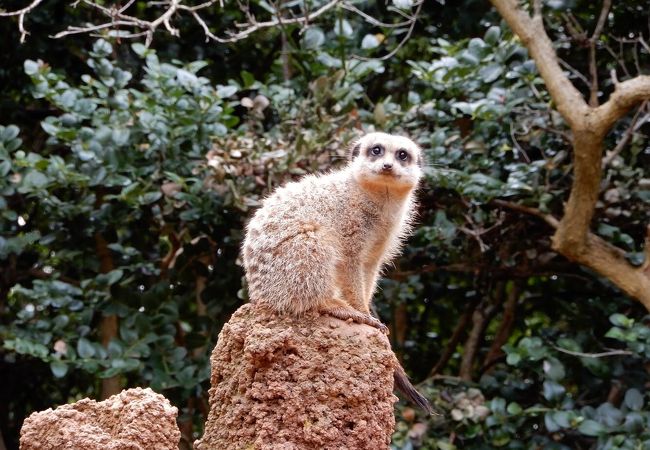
x,y
402,155
376,150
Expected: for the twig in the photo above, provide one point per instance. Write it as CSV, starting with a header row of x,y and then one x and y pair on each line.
x,y
413,19
594,355
250,28
21,17
593,72
548,218
574,72
610,155
372,20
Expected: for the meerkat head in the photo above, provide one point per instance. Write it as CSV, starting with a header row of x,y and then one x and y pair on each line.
x,y
384,160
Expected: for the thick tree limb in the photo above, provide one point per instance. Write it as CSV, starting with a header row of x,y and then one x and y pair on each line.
x,y
589,126
626,95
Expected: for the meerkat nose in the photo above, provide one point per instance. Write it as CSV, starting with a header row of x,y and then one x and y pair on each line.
x,y
387,166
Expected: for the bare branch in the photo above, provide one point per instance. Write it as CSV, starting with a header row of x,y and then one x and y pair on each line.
x,y
604,11
593,72
548,218
254,26
634,126
594,355
21,17
392,53
371,20
574,72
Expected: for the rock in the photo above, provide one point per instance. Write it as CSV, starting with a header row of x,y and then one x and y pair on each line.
x,y
135,419
309,383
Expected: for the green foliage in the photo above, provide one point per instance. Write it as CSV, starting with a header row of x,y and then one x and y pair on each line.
x,y
537,400
126,191
119,181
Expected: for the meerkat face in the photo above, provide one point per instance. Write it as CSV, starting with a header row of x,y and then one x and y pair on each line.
x,y
386,160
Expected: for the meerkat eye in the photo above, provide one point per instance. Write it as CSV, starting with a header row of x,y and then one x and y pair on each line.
x,y
402,155
376,150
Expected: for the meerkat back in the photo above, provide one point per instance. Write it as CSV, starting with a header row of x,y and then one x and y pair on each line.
x,y
288,256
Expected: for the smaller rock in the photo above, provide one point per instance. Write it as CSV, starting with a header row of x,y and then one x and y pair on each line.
x,y
134,419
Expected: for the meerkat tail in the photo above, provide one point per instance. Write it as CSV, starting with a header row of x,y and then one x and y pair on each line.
x,y
403,384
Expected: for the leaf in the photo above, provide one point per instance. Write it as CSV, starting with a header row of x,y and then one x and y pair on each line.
x,y
35,179
49,128
114,276
120,136
633,399
139,49
84,348
621,321
343,28
490,73
553,369
9,132
591,428
552,390
150,197
102,47
513,359
492,35
247,78
562,418
31,67
369,41
225,91
313,38
514,409
550,424
58,368
403,4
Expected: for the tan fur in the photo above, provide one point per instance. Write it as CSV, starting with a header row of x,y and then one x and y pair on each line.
x,y
320,243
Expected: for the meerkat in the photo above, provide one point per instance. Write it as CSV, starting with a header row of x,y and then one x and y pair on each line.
x,y
320,244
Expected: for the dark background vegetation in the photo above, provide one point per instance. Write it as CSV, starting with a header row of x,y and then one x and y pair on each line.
x,y
126,175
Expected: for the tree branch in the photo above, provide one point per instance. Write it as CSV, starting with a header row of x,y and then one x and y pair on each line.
x,y
610,155
21,13
589,126
593,72
594,355
627,94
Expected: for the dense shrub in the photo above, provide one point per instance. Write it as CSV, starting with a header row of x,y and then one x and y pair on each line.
x,y
127,201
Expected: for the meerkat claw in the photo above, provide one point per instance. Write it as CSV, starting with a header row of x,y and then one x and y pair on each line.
x,y
347,314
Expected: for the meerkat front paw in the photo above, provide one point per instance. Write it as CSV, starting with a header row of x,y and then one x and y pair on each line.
x,y
356,316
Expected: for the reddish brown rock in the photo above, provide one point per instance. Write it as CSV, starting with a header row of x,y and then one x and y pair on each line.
x,y
288,384
135,419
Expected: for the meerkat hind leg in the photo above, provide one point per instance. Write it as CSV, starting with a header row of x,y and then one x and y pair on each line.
x,y
341,310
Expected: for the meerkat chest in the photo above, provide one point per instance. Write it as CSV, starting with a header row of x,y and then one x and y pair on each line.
x,y
372,231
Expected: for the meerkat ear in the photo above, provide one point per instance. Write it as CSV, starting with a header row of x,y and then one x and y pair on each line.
x,y
354,150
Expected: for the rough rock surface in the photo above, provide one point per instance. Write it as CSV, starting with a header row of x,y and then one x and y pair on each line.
x,y
135,419
283,383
